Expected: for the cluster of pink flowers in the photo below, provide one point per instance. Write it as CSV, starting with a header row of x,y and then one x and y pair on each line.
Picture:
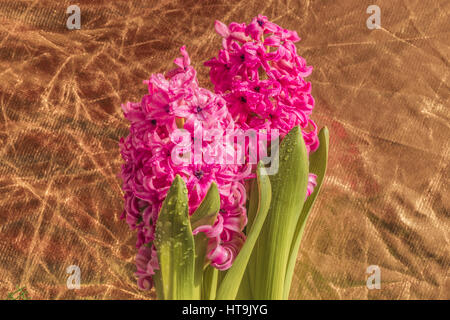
x,y
149,167
258,82
261,76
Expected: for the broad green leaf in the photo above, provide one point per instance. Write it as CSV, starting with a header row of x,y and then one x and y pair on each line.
x,y
247,283
175,244
220,277
209,287
205,214
253,202
158,285
317,165
229,287
288,194
200,245
245,287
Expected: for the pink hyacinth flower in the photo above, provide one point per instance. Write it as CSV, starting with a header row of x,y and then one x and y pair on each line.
x,y
262,78
149,167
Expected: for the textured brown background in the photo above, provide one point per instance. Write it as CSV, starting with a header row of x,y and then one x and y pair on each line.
x,y
384,94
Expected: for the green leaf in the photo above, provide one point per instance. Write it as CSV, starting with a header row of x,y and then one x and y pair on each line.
x,y
247,283
200,244
175,244
288,192
209,287
317,165
205,214
229,287
253,203
245,287
158,285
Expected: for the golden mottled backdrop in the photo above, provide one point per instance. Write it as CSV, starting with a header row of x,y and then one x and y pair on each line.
x,y
383,93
